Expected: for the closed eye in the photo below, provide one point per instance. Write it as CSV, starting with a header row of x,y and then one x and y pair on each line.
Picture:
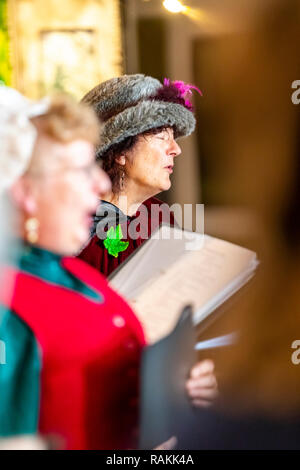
x,y
164,135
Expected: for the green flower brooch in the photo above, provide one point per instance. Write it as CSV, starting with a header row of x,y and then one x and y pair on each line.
x,y
113,242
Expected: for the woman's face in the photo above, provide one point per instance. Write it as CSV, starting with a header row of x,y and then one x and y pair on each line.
x,y
64,194
150,163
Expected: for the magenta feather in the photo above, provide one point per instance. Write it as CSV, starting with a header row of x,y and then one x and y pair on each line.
x,y
184,90
176,92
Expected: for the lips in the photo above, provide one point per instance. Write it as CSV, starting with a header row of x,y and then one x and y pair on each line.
x,y
169,168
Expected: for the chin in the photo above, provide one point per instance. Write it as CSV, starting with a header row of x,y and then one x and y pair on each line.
x,y
79,242
166,186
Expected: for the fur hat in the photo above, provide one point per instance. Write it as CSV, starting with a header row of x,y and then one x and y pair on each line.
x,y
132,104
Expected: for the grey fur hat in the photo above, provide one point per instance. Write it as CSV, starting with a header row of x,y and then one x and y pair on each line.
x,y
131,104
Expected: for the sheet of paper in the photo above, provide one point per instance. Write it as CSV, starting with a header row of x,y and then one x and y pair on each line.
x,y
197,278
163,249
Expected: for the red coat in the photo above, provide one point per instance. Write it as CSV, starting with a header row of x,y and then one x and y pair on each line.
x,y
97,255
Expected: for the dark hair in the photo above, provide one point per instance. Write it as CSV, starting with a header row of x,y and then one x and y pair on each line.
x,y
108,159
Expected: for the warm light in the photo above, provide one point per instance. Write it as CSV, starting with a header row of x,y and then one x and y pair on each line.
x,y
174,6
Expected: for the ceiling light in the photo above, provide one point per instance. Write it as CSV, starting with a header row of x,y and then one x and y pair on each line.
x,y
174,6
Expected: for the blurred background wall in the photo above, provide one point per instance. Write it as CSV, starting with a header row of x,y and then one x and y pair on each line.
x,y
67,46
242,54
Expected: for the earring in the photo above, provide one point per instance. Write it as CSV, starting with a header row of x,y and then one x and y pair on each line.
x,y
31,228
122,183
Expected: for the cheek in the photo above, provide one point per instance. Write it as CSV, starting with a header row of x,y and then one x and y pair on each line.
x,y
148,167
74,191
64,194
62,198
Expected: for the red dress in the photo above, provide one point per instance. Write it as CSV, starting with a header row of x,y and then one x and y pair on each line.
x,y
145,222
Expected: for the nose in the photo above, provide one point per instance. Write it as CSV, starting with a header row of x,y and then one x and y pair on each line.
x,y
102,183
175,150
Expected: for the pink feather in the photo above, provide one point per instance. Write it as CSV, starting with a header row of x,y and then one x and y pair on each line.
x,y
184,90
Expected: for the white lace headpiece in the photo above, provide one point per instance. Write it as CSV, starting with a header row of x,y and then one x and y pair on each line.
x,y
17,133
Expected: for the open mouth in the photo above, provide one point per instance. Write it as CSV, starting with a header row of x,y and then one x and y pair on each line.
x,y
169,168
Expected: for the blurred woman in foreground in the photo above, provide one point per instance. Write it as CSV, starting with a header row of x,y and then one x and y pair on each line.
x,y
17,137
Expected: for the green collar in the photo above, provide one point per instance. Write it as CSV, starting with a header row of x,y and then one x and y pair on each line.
x,y
47,266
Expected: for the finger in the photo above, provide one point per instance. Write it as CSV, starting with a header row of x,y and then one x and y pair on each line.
x,y
202,368
202,403
207,381
206,393
167,445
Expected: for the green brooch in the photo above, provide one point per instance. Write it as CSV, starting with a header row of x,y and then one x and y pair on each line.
x,y
113,242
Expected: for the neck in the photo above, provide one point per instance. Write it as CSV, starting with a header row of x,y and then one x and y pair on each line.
x,y
129,200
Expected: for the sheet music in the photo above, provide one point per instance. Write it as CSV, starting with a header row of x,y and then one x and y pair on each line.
x,y
166,247
197,278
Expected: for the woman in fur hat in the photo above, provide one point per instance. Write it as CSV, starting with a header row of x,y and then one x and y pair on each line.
x,y
142,119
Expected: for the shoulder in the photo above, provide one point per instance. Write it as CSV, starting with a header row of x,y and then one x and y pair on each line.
x,y
92,243
91,252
